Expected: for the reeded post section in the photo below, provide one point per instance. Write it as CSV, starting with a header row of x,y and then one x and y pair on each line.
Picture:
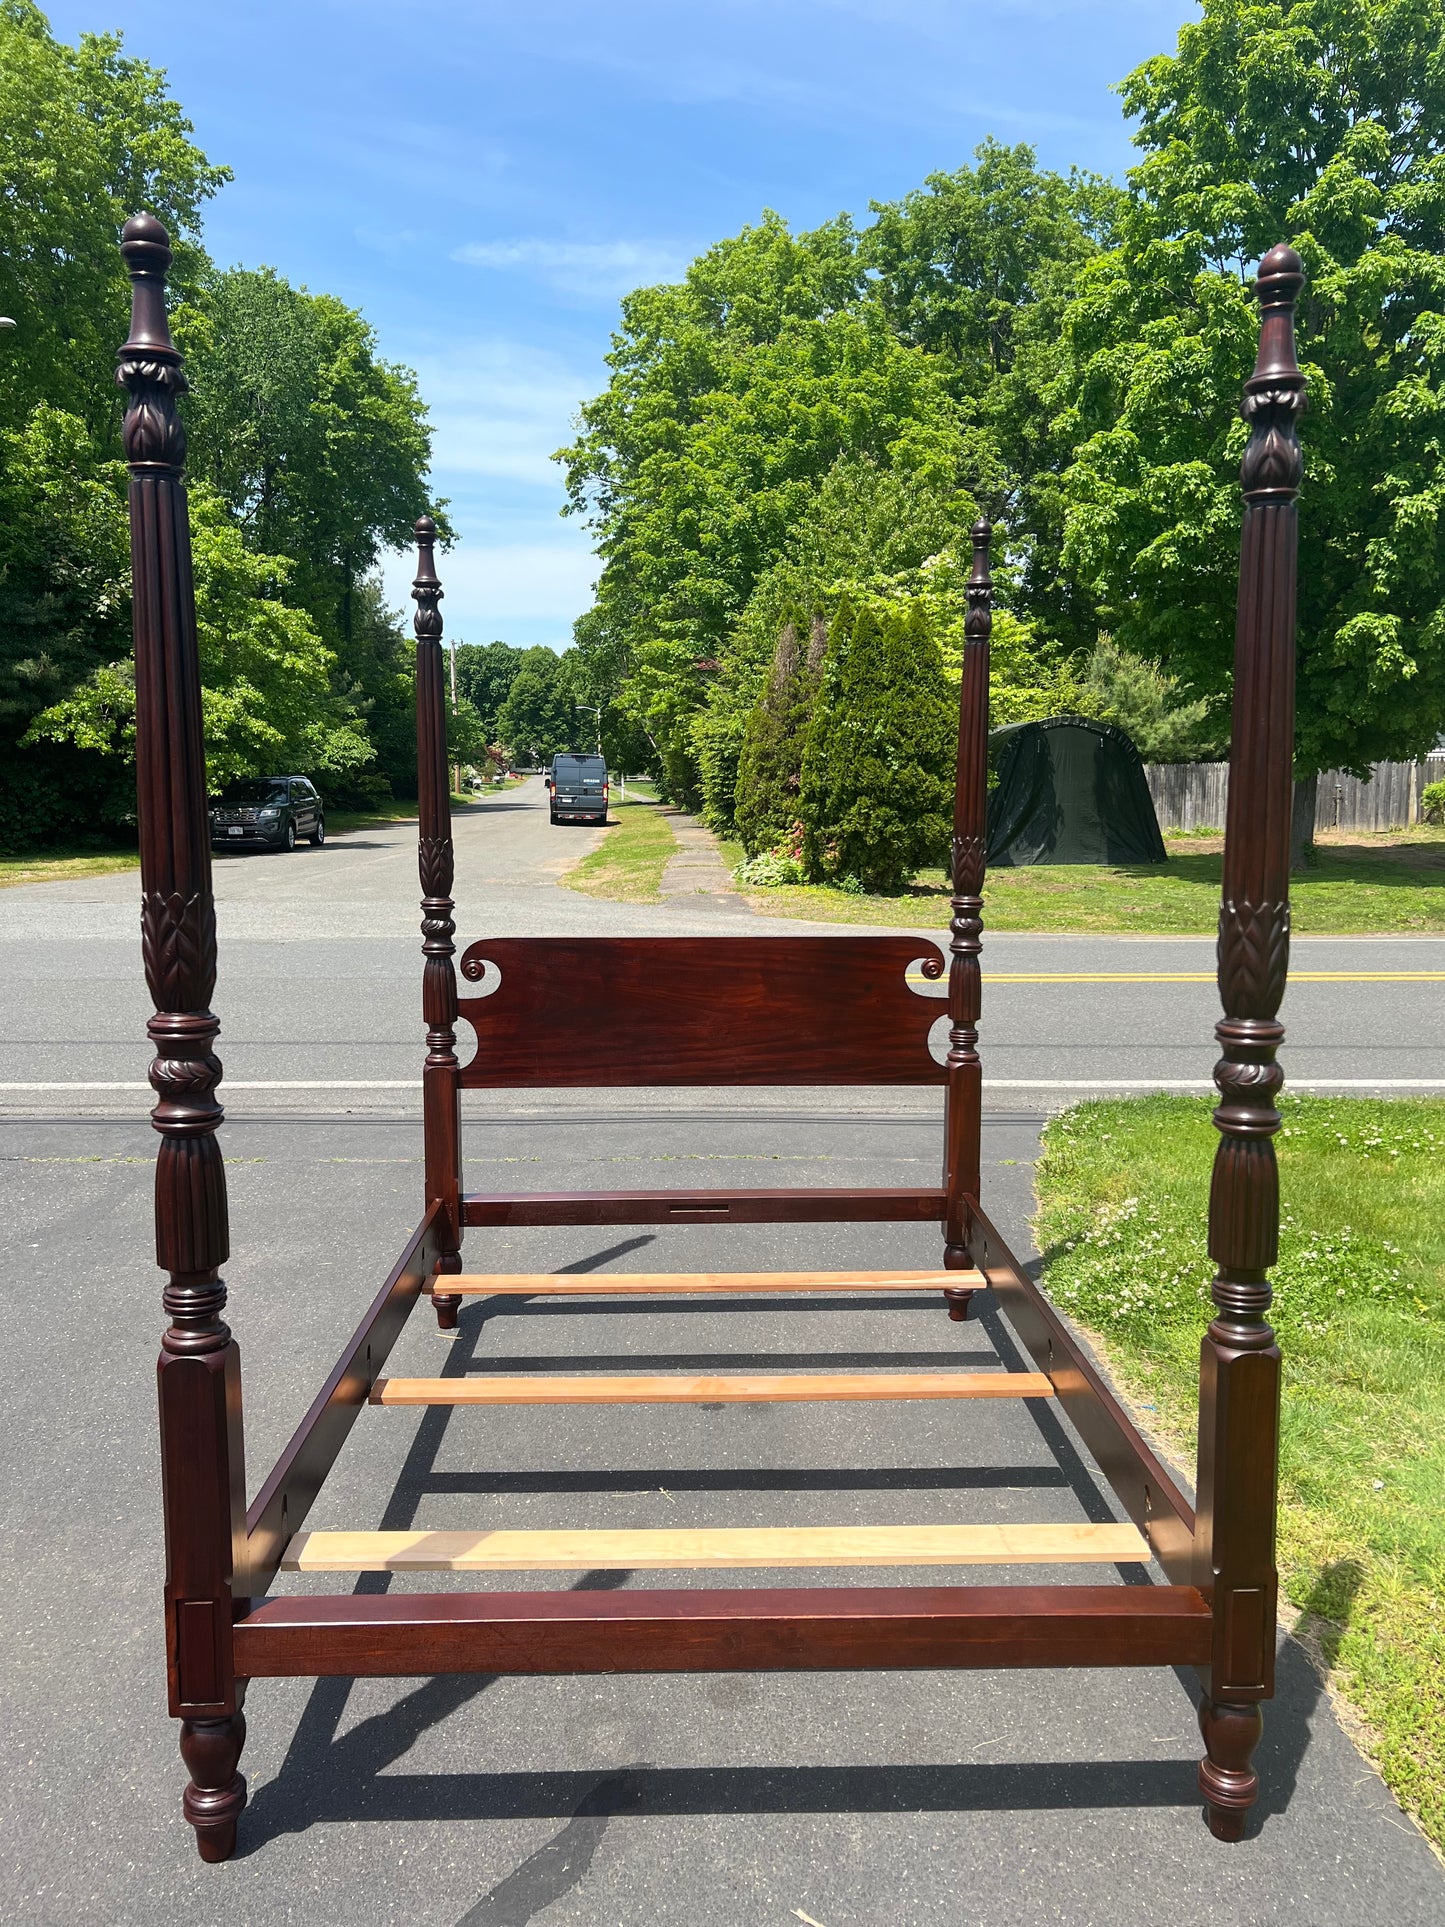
x,y
962,1138
441,1082
199,1368
1240,1362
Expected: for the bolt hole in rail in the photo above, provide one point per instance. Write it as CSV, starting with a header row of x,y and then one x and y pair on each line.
x,y
713,1012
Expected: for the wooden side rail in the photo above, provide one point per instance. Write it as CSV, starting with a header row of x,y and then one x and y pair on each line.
x,y
284,1500
716,1549
1145,1489
671,1284
784,1388
879,1206
756,1630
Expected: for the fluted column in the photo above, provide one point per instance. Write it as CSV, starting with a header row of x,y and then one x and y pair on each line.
x,y
441,1087
199,1369
962,1137
1240,1361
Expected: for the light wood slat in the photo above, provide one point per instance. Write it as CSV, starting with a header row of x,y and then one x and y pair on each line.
x,y
783,1389
627,1284
670,1550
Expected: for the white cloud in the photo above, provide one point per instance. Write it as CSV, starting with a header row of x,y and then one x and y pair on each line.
x,y
500,408
590,270
489,588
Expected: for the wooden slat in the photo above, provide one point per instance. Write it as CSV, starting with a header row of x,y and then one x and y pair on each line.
x,y
290,1489
788,1388
740,1629
1143,1487
726,1547
626,1284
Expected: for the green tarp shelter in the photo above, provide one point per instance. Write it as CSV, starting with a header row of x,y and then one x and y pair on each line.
x,y
1069,791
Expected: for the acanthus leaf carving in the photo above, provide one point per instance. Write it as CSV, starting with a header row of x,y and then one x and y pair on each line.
x,y
1253,957
178,946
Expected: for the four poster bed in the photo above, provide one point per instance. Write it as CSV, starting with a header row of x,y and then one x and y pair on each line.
x,y
736,1011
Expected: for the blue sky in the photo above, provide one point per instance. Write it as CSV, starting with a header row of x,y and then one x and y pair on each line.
x,y
484,179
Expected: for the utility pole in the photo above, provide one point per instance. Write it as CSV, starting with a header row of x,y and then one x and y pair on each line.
x,y
456,767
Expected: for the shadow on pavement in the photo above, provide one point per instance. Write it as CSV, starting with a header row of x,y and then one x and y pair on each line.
x,y
326,1778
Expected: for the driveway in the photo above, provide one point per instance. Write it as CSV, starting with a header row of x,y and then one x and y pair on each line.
x,y
846,1800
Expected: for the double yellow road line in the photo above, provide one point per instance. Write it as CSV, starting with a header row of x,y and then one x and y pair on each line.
x,y
1197,977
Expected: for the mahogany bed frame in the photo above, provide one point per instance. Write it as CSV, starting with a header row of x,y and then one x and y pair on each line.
x,y
767,1010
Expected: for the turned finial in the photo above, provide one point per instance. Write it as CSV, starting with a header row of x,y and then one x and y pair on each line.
x,y
1274,394
149,367
978,621
426,590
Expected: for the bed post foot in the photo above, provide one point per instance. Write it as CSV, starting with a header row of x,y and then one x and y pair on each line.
x,y
957,1297
213,1800
447,1303
1226,1779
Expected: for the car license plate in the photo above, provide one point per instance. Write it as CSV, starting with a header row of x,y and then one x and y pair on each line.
x,y
235,832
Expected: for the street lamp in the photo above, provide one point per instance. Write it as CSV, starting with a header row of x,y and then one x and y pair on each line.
x,y
593,710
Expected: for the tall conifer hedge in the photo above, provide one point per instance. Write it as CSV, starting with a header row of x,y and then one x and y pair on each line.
x,y
877,771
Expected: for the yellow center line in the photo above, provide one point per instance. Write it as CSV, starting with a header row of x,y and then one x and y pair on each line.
x,y
1194,977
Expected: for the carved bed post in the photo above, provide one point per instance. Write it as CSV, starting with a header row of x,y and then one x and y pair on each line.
x,y
964,1102
1240,1362
199,1370
441,1086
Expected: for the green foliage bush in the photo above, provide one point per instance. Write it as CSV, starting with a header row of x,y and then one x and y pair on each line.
x,y
1432,803
877,774
307,454
1148,705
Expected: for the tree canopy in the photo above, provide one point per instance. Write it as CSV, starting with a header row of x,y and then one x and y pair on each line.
x,y
308,455
1320,122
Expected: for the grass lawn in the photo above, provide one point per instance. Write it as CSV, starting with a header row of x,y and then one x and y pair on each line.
x,y
627,866
58,866
1360,1311
1393,881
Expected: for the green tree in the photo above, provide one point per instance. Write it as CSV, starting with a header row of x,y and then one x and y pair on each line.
x,y
976,268
88,136
1320,122
485,673
319,447
732,396
877,775
1144,702
537,719
266,692
770,757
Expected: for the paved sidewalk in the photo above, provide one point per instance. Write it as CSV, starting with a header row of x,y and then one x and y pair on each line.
x,y
698,869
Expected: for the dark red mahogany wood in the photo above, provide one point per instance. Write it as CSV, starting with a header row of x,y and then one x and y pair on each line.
x,y
753,1629
602,1011
1146,1491
703,1207
717,1012
203,1476
441,1090
1240,1362
281,1506
963,1130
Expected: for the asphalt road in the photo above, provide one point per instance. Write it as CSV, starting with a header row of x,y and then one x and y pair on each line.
x,y
986,1799
319,985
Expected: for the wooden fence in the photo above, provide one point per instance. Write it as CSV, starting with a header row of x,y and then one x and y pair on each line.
x,y
1192,796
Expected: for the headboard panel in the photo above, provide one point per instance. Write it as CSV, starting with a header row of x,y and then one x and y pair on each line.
x,y
701,1010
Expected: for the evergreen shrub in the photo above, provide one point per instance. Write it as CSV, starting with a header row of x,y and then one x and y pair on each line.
x,y
877,772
